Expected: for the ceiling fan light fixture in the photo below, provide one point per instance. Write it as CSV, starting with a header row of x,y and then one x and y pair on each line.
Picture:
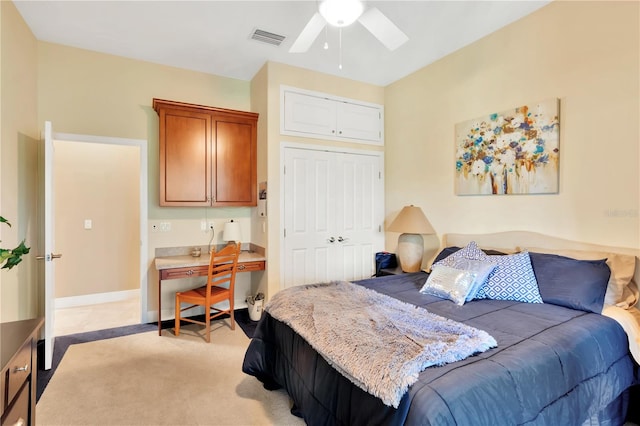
x,y
341,13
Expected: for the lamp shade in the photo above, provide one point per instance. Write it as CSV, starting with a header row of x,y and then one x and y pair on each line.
x,y
412,223
411,220
231,232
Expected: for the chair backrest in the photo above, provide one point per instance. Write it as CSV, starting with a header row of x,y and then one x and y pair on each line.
x,y
223,266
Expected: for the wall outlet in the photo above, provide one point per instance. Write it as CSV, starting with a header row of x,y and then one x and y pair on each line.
x,y
203,225
165,226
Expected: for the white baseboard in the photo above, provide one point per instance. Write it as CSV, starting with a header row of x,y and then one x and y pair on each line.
x,y
94,299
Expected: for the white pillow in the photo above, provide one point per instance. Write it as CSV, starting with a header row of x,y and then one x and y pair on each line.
x,y
480,267
449,283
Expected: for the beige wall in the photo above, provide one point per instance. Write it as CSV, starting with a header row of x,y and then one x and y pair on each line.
x,y
584,53
19,293
84,92
98,182
277,75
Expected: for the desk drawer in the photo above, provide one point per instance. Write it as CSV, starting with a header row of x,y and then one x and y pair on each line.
x,y
192,271
18,370
251,266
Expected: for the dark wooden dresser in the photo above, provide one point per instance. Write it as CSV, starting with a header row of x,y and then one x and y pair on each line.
x,y
18,354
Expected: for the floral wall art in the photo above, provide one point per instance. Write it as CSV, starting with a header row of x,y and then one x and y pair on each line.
x,y
510,152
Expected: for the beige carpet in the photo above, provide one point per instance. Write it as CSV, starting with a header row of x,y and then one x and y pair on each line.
x,y
144,379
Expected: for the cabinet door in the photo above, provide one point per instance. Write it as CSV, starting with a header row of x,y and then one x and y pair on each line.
x,y
185,158
235,161
309,114
361,122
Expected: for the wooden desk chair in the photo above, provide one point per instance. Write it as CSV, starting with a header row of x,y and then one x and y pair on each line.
x,y
222,270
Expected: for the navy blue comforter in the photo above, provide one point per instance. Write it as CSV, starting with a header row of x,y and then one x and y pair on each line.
x,y
552,366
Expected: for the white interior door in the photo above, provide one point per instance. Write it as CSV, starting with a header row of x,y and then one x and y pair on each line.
x,y
333,215
49,248
359,215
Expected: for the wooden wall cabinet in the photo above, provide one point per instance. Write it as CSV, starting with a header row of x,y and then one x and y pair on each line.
x,y
207,155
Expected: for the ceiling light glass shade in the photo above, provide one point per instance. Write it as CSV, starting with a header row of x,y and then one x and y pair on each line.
x,y
341,13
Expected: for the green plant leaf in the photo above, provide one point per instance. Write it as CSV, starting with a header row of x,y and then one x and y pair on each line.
x,y
13,257
3,220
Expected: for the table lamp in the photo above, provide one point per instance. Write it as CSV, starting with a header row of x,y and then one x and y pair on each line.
x,y
412,224
231,232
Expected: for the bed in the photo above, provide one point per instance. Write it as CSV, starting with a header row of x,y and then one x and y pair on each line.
x,y
568,360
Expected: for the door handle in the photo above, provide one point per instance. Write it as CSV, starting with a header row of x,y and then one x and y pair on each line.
x,y
49,257
331,240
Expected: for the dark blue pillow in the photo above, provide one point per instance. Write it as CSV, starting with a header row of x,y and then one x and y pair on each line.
x,y
450,250
572,283
446,252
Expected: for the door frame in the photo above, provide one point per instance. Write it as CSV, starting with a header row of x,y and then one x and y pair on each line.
x,y
142,145
284,145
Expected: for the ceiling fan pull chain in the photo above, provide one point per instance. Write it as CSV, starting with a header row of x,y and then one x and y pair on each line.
x,y
340,49
326,37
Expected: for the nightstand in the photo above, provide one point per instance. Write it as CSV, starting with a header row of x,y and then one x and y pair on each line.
x,y
391,271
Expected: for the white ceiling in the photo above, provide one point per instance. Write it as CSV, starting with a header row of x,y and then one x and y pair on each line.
x,y
214,36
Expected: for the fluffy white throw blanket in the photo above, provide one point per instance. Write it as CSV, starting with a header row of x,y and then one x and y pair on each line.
x,y
379,343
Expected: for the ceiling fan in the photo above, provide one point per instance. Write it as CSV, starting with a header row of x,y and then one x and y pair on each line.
x,y
342,13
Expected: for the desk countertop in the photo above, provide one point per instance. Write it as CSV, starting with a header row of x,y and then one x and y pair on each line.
x,y
186,261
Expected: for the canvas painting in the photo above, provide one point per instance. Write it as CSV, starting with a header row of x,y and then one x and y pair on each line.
x,y
509,152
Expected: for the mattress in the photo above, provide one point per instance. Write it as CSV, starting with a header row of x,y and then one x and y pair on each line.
x,y
553,365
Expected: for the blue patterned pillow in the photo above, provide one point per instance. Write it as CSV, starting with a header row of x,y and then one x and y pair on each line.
x,y
513,279
470,251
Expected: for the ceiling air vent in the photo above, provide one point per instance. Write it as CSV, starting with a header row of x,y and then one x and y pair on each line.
x,y
267,37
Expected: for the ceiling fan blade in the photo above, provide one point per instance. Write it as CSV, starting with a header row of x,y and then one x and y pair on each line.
x,y
383,29
308,34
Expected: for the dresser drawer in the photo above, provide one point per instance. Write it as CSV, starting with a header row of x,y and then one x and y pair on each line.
x,y
3,400
18,413
19,370
251,266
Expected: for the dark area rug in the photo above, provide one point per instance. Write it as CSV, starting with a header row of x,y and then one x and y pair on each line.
x,y
62,343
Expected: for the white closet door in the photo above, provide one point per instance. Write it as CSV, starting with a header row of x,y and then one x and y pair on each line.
x,y
333,214
359,215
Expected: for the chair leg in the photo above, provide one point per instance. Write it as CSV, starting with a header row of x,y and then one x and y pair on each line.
x,y
207,320
231,311
177,325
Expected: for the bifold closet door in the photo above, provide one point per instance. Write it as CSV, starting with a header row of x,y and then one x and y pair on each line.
x,y
333,215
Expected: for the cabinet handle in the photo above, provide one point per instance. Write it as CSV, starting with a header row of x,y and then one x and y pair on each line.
x,y
331,240
340,239
190,272
340,132
20,369
333,131
241,267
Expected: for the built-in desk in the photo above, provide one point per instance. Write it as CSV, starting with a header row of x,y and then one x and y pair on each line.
x,y
186,266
